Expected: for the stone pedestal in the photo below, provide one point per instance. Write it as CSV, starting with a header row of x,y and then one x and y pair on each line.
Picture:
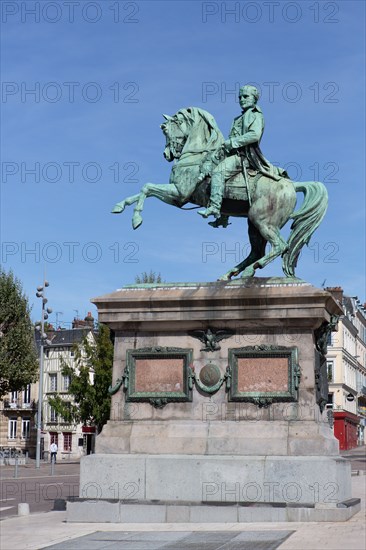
x,y
217,429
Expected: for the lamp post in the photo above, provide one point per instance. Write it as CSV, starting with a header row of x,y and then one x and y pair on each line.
x,y
43,340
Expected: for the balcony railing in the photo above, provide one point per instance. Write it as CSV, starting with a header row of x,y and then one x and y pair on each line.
x,y
17,404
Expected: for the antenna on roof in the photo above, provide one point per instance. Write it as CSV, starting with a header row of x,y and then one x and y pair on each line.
x,y
77,313
57,315
323,283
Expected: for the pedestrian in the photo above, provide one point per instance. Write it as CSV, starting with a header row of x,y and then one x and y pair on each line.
x,y
53,450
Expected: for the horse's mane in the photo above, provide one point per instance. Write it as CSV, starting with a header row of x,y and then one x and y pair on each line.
x,y
203,125
192,116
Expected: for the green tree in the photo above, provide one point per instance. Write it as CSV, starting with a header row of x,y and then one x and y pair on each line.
x,y
18,356
146,277
90,378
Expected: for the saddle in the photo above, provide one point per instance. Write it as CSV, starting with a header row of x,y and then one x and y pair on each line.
x,y
236,188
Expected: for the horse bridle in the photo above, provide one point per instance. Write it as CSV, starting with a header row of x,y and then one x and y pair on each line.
x,y
177,141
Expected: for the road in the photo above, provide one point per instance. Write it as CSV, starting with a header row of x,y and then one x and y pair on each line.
x,y
40,489
37,487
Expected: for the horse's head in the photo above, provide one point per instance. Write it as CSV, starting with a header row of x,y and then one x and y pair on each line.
x,y
191,130
176,134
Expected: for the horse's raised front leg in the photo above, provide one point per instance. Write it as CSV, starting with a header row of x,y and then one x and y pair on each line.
x,y
120,206
167,193
258,247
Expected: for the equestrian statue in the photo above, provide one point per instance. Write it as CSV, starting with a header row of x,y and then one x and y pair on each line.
x,y
232,178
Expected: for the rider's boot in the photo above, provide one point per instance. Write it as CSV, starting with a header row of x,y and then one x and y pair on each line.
x,y
217,191
222,221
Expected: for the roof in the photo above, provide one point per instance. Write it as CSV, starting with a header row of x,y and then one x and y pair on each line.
x,y
68,337
350,310
64,337
347,304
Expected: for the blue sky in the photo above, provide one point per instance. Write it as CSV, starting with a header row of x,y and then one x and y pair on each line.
x,y
102,78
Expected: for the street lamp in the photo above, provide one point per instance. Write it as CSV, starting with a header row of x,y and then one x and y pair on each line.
x,y
43,340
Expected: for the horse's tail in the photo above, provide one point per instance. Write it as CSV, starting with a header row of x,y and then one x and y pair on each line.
x,y
306,221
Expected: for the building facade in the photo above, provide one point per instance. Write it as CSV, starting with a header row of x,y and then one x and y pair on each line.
x,y
18,422
18,410
346,363
71,439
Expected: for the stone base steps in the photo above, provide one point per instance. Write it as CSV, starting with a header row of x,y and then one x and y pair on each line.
x,y
117,511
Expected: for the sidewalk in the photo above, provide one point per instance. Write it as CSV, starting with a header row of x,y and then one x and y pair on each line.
x,y
44,530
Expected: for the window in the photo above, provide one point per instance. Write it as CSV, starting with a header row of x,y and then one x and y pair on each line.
x,y
26,395
14,399
12,428
54,438
72,353
66,379
53,382
329,339
53,415
67,441
25,428
346,374
330,371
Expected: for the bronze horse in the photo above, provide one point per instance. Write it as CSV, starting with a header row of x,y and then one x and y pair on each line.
x,y
192,137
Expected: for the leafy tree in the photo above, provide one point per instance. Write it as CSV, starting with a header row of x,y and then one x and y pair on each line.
x,y
90,378
151,277
18,357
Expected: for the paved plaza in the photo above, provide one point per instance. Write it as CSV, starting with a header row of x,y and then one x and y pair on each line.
x,y
168,540
49,530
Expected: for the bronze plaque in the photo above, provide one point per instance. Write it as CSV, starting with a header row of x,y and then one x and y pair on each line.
x,y
159,374
262,374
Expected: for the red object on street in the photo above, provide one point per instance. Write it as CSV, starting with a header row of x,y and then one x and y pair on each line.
x,y
345,429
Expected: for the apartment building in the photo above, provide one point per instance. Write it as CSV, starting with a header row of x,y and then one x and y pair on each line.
x,y
71,438
18,410
346,362
18,421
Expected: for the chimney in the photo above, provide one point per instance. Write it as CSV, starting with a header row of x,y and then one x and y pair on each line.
x,y
89,320
77,323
